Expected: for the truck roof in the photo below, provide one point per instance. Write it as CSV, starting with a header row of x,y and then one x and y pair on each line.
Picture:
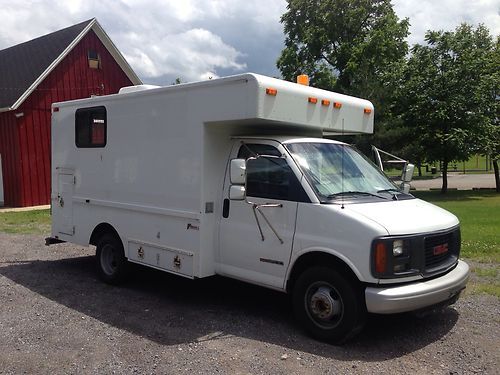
x,y
266,100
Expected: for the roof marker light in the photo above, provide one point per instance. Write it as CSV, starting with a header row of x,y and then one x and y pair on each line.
x,y
312,100
325,102
271,91
303,79
337,105
368,111
55,109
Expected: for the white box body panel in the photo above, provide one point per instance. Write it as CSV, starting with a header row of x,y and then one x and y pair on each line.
x,y
158,180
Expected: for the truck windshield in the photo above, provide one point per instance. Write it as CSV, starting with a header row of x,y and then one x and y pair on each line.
x,y
338,170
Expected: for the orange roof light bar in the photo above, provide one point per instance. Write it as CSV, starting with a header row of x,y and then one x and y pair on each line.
x,y
337,105
312,100
303,79
368,111
325,102
271,91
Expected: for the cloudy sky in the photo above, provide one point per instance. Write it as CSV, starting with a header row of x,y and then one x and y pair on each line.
x,y
197,39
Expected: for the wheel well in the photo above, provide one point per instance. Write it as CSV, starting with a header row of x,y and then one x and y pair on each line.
x,y
317,258
100,230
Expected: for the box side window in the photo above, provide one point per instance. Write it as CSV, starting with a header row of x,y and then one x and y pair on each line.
x,y
90,127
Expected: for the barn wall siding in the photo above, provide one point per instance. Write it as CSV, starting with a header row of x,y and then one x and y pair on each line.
x,y
27,172
9,149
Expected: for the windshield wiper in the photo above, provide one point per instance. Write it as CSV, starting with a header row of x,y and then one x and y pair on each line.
x,y
391,191
343,193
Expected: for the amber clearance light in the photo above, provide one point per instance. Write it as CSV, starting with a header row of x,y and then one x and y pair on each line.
x,y
271,91
303,79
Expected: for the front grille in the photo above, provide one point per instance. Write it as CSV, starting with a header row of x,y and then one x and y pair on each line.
x,y
441,250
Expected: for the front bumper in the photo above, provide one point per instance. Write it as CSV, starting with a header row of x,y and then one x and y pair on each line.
x,y
417,295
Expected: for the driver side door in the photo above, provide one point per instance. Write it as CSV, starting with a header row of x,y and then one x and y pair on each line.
x,y
246,252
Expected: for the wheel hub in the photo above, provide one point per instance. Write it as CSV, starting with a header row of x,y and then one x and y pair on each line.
x,y
323,305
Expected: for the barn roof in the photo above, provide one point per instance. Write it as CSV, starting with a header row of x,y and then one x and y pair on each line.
x,y
24,66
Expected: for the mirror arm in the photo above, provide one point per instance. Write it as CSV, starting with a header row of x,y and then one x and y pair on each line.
x,y
257,207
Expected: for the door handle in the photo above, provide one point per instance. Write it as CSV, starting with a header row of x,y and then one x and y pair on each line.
x,y
225,209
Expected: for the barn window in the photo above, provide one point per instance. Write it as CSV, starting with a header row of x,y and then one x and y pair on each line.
x,y
94,59
90,127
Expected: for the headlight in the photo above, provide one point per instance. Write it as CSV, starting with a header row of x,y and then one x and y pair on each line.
x,y
397,248
391,257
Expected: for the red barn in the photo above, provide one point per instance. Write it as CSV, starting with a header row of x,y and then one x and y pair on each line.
x,y
71,63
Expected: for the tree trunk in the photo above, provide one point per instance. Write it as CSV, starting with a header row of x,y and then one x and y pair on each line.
x,y
497,177
444,172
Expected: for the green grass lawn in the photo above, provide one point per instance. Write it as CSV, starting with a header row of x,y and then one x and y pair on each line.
x,y
25,222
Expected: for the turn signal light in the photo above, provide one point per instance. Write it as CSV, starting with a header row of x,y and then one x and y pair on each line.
x,y
380,258
271,91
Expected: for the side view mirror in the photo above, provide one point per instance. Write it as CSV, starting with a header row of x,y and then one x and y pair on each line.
x,y
408,173
238,171
238,175
237,193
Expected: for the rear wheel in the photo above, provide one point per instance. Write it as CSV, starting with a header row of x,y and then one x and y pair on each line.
x,y
112,266
328,304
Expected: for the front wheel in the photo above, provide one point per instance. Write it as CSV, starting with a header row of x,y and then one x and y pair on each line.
x,y
328,304
112,266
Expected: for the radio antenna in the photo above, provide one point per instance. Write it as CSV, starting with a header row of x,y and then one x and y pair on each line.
x,y
342,176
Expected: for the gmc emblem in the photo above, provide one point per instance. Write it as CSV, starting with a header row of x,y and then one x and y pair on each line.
x,y
440,249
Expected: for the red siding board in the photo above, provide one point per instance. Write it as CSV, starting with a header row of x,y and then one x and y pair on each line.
x,y
9,149
25,141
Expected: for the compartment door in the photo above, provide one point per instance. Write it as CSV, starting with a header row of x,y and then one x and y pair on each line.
x,y
66,184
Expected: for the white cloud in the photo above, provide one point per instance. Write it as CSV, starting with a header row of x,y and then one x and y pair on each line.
x,y
447,15
191,55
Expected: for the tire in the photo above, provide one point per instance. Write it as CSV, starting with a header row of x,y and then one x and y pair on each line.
x,y
328,304
112,266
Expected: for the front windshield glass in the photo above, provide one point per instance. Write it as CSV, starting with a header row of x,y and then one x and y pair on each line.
x,y
335,169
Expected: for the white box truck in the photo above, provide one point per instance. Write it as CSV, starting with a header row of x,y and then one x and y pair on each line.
x,y
233,177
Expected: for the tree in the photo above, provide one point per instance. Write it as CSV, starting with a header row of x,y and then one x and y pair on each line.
x,y
444,94
489,140
343,45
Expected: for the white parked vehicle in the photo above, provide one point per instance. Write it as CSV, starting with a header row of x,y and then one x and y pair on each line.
x,y
232,177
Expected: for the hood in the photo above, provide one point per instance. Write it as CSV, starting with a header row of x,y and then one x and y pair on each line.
x,y
410,216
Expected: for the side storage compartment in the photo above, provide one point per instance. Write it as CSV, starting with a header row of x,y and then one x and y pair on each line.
x,y
167,259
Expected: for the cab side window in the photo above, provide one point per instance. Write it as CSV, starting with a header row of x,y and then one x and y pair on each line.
x,y
270,177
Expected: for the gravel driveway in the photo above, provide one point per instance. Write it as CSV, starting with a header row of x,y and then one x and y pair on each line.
x,y
56,317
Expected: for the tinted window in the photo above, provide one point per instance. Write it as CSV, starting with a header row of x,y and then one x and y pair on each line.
x,y
270,177
90,127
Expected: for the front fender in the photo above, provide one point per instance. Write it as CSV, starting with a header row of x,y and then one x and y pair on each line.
x,y
324,250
